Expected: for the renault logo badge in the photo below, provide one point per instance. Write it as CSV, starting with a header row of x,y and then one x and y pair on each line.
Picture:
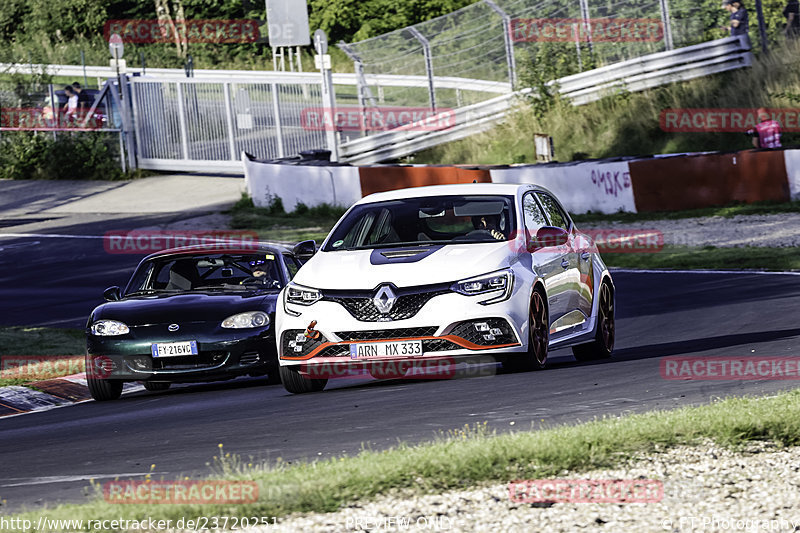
x,y
384,299
173,327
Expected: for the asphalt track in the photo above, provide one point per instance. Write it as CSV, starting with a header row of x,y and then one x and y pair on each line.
x,y
50,456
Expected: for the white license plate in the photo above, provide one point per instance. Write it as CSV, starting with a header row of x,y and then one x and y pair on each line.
x,y
174,349
368,350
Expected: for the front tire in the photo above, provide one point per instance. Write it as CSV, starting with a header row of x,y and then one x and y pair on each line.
x,y
103,390
603,343
296,383
538,338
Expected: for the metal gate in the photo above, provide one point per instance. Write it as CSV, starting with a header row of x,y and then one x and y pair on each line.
x,y
190,124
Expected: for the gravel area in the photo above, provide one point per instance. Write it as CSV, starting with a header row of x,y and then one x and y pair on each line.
x,y
780,230
706,488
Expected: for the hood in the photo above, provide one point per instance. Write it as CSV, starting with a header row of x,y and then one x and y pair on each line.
x,y
184,307
366,269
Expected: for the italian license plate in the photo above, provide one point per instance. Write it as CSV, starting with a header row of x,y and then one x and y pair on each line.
x,y
368,350
174,349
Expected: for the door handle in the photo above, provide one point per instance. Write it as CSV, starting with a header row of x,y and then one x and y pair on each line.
x,y
585,256
565,263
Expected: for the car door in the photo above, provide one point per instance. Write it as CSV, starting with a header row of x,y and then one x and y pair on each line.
x,y
569,276
547,261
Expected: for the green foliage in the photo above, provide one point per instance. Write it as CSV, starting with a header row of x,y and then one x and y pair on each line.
x,y
360,19
27,155
628,124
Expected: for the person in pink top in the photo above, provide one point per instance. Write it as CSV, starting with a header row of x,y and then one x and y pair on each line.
x,y
767,133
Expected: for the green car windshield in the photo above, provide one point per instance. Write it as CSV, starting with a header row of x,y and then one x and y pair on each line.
x,y
207,272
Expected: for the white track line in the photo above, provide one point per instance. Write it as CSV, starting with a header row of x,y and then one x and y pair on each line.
x,y
738,272
108,237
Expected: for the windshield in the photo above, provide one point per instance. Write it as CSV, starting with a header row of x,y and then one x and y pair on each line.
x,y
426,220
207,272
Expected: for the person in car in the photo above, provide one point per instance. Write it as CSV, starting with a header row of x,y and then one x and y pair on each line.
x,y
491,223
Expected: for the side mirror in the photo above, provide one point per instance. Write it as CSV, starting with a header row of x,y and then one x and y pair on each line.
x,y
304,250
547,237
112,294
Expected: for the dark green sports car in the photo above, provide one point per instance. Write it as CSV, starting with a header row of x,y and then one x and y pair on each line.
x,y
189,315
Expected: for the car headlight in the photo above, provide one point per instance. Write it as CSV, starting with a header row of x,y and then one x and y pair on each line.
x,y
297,294
501,282
108,328
250,319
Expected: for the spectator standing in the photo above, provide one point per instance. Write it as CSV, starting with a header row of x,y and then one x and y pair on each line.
x,y
85,100
739,20
767,133
792,14
71,107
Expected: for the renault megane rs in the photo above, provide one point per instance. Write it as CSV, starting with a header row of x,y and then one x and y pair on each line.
x,y
446,271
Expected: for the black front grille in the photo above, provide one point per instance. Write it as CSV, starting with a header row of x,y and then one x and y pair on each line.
x,y
379,334
289,343
335,350
408,303
438,345
190,362
499,332
249,358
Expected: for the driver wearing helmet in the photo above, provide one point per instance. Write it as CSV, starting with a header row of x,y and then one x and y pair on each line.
x,y
491,223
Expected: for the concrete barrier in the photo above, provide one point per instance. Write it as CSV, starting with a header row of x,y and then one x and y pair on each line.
x,y
662,183
581,187
307,184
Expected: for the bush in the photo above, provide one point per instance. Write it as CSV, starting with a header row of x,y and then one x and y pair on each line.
x,y
88,156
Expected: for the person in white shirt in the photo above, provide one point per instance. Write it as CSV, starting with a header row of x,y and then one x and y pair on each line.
x,y
71,107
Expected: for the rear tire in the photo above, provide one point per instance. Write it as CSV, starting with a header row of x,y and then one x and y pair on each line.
x,y
603,343
156,386
298,384
538,338
103,390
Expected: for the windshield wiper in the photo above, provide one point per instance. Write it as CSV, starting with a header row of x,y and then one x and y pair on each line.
x,y
379,246
149,291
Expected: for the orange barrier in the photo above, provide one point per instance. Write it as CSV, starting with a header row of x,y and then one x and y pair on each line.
x,y
696,181
380,179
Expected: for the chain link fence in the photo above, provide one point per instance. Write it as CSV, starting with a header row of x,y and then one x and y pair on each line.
x,y
518,42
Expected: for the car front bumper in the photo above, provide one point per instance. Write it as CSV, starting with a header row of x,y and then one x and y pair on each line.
x,y
222,354
449,325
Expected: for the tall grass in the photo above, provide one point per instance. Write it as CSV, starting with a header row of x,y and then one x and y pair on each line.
x,y
627,123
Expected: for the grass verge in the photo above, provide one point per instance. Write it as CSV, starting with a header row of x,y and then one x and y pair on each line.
x,y
58,343
464,458
686,258
757,208
274,223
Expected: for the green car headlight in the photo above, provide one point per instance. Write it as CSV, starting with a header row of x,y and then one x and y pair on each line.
x,y
250,319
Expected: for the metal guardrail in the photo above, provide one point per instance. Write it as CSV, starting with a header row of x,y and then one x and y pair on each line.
x,y
657,69
634,75
262,76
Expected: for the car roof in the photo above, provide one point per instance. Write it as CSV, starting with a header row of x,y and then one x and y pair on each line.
x,y
506,189
203,249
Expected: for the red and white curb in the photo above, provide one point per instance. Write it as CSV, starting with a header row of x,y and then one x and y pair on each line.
x,y
49,394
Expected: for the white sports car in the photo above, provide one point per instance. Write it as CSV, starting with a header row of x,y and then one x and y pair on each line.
x,y
447,271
